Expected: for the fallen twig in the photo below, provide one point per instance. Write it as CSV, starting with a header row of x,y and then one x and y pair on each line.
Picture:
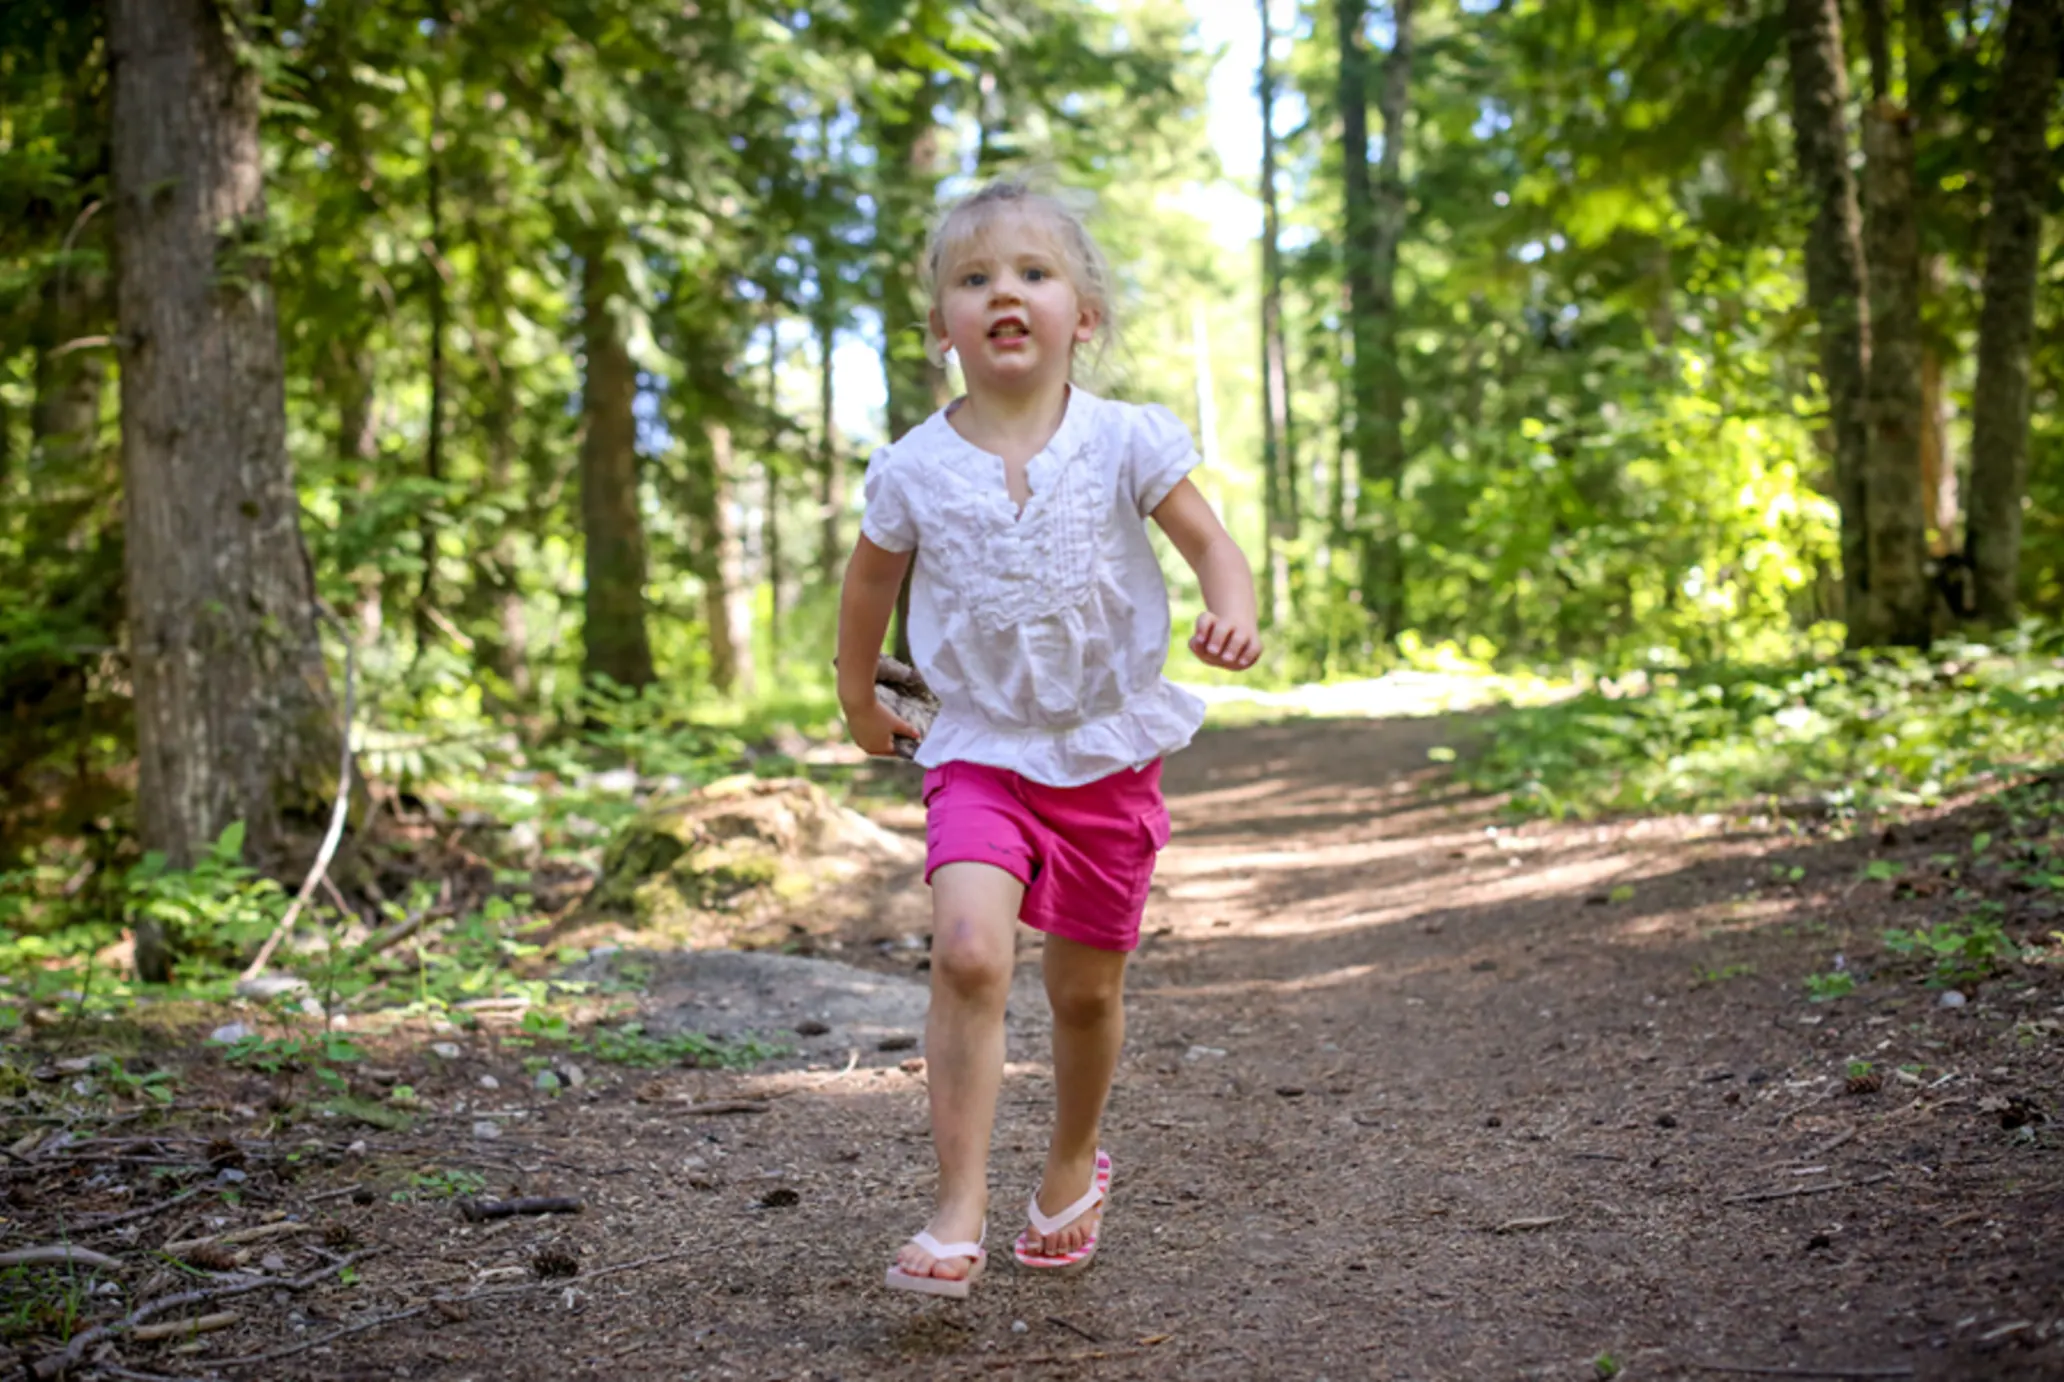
x,y
257,1233
338,815
479,1211
60,1363
95,1225
337,1194
1761,1196
1522,1225
59,1255
1748,1371
485,1292
1074,1329
185,1329
716,1106
1840,1139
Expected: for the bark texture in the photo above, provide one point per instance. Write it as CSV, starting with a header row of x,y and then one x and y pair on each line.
x,y
720,561
1896,514
613,605
234,715
1835,283
1278,447
2006,321
1375,225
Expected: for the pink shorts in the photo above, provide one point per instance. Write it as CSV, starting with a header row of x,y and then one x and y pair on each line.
x,y
1085,854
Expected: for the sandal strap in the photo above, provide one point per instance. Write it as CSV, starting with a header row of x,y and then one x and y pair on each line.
x,y
971,1251
1049,1224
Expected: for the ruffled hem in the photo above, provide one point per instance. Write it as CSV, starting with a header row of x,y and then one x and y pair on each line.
x,y
1154,725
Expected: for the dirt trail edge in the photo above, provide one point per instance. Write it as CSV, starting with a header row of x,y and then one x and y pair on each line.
x,y
1409,1094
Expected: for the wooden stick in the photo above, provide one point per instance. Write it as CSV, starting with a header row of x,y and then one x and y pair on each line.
x,y
59,1255
483,1293
257,1233
58,1364
1522,1225
186,1329
321,867
95,1225
717,1106
1074,1329
480,1211
1762,1196
335,1194
1861,1373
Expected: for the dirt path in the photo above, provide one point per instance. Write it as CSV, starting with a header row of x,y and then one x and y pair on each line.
x,y
1403,1099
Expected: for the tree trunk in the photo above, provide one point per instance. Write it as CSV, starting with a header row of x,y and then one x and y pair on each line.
x,y
1278,453
910,158
1375,225
831,494
2006,321
770,521
1896,397
234,716
433,448
1835,282
496,595
358,454
613,607
720,562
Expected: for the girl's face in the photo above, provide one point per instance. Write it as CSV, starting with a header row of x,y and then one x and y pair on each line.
x,y
1007,305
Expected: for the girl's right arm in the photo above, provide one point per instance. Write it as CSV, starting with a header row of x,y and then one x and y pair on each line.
x,y
873,577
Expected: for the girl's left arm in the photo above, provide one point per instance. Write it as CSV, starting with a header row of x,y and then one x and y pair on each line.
x,y
1228,633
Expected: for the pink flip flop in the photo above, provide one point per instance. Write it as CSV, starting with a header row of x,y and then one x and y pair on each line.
x,y
954,1287
1026,1251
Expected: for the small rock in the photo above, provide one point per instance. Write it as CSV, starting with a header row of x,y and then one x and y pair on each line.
x,y
902,1041
1203,1052
812,1028
273,1262
267,987
547,1082
574,1076
446,1050
780,1197
490,1082
1019,1326
1952,998
230,1033
230,1175
357,1148
1290,1091
486,1129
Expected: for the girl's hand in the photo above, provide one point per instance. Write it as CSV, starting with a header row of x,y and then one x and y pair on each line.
x,y
1229,643
875,729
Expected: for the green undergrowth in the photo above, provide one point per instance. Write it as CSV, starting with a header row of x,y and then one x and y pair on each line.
x,y
1842,736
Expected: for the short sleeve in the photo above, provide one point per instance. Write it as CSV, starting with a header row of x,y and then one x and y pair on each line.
x,y
886,522
1161,455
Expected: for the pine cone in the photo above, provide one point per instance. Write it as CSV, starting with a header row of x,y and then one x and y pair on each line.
x,y
211,1257
901,690
1866,1084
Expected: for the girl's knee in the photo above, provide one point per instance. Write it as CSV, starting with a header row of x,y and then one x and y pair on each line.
x,y
1091,1004
968,961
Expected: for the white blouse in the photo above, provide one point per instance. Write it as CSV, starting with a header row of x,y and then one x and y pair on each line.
x,y
1042,633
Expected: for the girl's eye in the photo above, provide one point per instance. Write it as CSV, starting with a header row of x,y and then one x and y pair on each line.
x,y
974,280
1035,275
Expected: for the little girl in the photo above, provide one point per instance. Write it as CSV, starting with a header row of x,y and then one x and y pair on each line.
x,y
1039,615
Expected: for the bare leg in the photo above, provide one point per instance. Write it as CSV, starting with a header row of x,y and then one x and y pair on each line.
x,y
974,920
1086,988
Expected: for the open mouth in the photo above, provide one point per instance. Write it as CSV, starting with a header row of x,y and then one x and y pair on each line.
x,y
1009,329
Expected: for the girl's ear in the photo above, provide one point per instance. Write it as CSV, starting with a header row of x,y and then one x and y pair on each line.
x,y
1086,325
937,322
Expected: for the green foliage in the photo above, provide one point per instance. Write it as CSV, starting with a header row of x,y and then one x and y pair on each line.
x,y
629,1044
218,909
1825,988
1848,736
1957,952
440,1183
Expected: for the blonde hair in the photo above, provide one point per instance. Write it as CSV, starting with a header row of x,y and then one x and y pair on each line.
x,y
971,218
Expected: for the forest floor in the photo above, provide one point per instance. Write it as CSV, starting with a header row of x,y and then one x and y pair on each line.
x,y
1410,1092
